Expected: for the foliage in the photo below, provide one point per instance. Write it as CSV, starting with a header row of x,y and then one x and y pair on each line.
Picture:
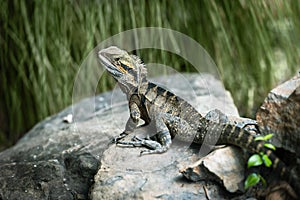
x,y
254,179
257,160
44,42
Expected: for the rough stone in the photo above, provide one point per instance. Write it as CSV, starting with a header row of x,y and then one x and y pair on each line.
x,y
279,114
225,165
66,157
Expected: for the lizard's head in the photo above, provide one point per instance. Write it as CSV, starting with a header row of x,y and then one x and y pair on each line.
x,y
127,69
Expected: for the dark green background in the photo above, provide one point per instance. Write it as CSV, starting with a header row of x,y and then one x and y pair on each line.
x,y
254,43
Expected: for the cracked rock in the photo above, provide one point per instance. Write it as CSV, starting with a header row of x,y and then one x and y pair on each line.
x,y
279,114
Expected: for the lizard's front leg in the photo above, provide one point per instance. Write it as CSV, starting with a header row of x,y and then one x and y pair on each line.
x,y
163,137
131,124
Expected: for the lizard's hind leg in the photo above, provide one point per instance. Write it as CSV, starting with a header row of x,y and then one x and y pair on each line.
x,y
163,136
154,146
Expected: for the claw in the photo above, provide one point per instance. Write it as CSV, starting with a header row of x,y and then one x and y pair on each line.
x,y
136,138
153,151
145,152
115,140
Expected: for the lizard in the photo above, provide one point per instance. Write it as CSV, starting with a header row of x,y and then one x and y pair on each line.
x,y
172,115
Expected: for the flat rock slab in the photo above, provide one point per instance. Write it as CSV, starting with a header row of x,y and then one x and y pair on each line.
x,y
126,175
65,158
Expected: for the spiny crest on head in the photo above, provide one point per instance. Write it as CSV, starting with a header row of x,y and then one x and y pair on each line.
x,y
142,66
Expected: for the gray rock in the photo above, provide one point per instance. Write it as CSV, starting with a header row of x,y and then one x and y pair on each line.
x,y
68,155
279,114
126,175
225,165
56,160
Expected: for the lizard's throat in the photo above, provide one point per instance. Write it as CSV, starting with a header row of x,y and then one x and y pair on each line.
x,y
128,89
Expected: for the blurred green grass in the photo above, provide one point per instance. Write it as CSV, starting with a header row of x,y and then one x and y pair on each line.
x,y
254,43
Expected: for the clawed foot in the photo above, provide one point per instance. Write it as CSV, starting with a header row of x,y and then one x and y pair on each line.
x,y
135,142
154,147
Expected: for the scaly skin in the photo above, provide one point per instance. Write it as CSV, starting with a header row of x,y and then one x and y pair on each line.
x,y
173,116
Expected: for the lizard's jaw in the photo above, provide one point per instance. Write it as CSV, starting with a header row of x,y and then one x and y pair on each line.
x,y
108,64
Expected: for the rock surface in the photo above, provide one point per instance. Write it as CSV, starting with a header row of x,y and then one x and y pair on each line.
x,y
228,170
280,115
70,159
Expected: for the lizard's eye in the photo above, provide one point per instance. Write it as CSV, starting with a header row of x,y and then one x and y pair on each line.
x,y
125,67
117,59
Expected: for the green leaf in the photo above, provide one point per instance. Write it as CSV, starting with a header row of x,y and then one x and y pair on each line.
x,y
269,136
259,138
254,160
266,160
251,180
264,138
264,182
270,146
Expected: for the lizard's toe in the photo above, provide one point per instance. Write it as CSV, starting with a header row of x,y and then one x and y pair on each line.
x,y
145,152
136,138
119,137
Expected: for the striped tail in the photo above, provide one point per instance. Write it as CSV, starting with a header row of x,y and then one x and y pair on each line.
x,y
231,134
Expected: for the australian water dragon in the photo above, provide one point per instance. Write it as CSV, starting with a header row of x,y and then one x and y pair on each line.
x,y
172,116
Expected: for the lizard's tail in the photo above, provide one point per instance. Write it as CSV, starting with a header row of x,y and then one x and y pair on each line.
x,y
231,134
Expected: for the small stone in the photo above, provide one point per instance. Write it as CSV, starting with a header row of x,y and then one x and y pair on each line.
x,y
68,119
225,165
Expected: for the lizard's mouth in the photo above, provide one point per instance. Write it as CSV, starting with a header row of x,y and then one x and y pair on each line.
x,y
108,64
